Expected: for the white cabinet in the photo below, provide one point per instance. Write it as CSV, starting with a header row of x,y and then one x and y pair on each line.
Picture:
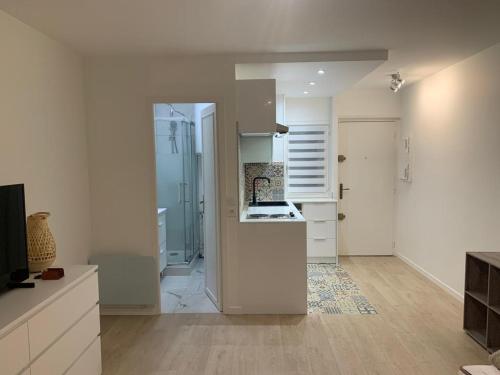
x,y
15,351
88,363
64,352
162,237
256,105
51,328
321,220
56,318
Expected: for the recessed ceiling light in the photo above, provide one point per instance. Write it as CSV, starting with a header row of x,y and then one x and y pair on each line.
x,y
312,83
306,92
321,71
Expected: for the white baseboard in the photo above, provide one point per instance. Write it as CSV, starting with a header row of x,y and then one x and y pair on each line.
x,y
459,296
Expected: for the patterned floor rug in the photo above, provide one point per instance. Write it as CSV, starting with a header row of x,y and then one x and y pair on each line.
x,y
331,290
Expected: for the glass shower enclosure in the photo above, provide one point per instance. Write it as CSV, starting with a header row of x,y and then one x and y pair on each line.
x,y
177,183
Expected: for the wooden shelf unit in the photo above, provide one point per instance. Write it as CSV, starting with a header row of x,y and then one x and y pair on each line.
x,y
482,299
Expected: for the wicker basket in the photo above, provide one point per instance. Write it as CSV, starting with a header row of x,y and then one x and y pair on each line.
x,y
41,244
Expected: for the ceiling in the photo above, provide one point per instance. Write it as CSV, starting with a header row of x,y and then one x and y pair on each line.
x,y
422,36
302,79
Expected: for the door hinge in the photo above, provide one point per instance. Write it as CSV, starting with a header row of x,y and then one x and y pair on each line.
x,y
394,245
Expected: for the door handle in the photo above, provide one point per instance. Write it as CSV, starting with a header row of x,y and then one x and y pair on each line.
x,y
341,191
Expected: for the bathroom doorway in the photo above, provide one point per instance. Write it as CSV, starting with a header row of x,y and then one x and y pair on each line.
x,y
187,207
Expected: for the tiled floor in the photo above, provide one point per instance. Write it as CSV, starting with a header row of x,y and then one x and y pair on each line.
x,y
186,294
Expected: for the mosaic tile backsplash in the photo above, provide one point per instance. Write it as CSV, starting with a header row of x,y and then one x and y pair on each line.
x,y
265,192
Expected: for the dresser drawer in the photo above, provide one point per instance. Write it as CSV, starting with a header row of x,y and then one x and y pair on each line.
x,y
65,351
162,230
90,361
324,247
321,229
54,320
319,211
14,351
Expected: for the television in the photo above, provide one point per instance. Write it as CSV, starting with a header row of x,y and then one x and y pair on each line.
x,y
13,243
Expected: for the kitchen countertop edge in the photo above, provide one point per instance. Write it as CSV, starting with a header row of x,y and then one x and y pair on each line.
x,y
298,216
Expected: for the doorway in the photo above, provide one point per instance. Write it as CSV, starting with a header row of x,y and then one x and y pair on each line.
x,y
187,204
367,172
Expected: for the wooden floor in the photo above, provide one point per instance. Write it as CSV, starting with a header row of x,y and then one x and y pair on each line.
x,y
417,331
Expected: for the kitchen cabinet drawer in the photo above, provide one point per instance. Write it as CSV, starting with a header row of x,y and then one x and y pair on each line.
x,y
319,211
90,361
54,320
321,229
65,351
162,230
14,351
321,247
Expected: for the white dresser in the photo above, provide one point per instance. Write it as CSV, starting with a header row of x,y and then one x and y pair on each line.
x,y
54,328
321,220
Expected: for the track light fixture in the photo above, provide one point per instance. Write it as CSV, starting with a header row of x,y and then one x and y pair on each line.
x,y
396,82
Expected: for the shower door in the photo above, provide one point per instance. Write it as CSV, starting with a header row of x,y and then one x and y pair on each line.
x,y
177,186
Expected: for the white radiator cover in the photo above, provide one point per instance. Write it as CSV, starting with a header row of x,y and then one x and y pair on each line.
x,y
126,280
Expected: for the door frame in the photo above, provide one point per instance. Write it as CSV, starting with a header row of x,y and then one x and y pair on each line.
x,y
218,103
349,119
216,301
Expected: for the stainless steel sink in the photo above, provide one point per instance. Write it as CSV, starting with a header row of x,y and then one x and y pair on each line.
x,y
269,204
257,216
271,216
281,216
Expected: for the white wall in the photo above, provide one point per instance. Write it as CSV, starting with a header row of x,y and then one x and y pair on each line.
x,y
120,93
453,203
121,150
42,133
368,103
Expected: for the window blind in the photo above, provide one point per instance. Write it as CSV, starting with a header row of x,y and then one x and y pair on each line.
x,y
307,159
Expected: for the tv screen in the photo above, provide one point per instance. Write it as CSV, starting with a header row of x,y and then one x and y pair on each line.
x,y
13,243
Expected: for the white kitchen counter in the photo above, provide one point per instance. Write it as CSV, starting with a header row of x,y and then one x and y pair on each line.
x,y
271,210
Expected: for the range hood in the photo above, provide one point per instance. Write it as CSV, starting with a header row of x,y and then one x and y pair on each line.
x,y
279,128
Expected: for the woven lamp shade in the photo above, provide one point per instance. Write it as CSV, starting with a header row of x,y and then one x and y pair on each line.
x,y
41,243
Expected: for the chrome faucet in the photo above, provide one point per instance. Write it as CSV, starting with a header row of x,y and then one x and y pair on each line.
x,y
254,196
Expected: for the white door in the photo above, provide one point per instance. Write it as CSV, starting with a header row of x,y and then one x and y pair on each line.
x,y
367,176
210,232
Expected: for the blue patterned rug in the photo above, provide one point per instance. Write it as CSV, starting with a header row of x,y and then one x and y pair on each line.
x,y
331,290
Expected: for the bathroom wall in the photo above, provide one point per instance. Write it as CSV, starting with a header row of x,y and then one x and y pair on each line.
x,y
265,191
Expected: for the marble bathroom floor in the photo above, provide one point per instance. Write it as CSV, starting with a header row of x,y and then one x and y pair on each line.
x,y
186,294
